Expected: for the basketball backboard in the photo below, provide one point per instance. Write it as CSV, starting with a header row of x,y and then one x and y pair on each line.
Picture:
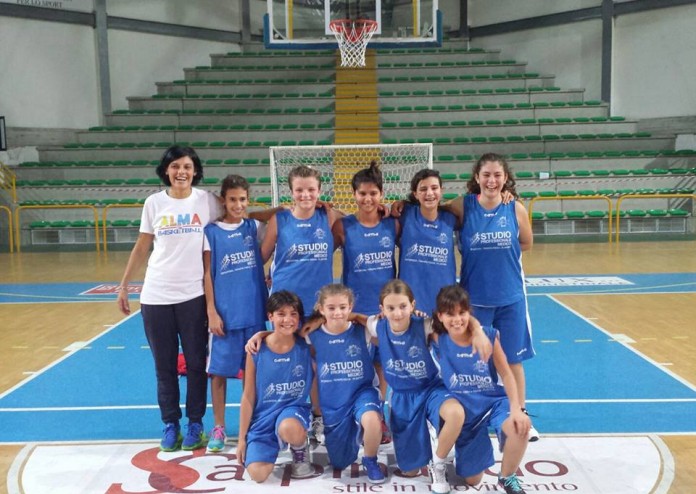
x,y
304,24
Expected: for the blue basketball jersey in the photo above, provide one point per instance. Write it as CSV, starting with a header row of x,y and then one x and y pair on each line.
x,y
237,273
491,255
405,357
475,383
303,260
369,261
344,367
426,255
282,380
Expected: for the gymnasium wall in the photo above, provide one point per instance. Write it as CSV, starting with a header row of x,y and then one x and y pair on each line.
x,y
653,62
50,75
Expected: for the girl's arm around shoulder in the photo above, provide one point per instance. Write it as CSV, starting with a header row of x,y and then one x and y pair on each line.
x,y
269,240
525,228
339,235
246,407
253,346
519,419
480,341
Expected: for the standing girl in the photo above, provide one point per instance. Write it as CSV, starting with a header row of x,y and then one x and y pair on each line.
x,y
368,241
345,375
426,248
172,299
491,240
235,293
274,409
302,240
418,392
476,384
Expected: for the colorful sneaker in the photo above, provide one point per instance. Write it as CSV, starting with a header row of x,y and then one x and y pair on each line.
x,y
373,470
195,437
216,443
386,435
438,477
171,437
300,462
317,430
511,484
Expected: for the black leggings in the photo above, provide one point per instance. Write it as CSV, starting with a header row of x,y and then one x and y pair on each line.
x,y
164,326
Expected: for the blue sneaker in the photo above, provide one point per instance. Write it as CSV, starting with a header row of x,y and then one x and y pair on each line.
x,y
374,472
171,437
195,437
511,484
217,439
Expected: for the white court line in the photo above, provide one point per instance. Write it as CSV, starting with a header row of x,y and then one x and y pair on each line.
x,y
671,374
668,466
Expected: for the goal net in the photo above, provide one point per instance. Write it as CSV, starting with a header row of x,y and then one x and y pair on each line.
x,y
338,163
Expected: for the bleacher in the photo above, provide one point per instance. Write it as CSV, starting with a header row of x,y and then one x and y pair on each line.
x,y
562,147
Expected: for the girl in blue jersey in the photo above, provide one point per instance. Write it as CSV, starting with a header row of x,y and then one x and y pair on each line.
x,y
491,240
302,240
274,410
418,392
368,241
303,243
346,379
426,247
477,385
235,293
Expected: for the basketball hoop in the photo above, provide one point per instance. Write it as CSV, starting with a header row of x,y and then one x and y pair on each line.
x,y
353,36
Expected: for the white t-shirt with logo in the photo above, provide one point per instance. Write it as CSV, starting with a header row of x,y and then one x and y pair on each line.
x,y
175,268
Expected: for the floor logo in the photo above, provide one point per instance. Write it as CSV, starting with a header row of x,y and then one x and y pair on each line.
x,y
555,464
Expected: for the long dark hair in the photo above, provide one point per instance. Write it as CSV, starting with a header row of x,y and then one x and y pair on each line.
x,y
473,186
448,299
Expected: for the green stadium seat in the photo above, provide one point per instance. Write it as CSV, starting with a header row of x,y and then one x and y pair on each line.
x,y
575,215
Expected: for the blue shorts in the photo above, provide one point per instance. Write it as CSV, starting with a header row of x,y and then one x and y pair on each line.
x,y
473,449
343,437
407,420
263,441
226,356
512,321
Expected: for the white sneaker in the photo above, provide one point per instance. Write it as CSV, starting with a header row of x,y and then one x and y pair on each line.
x,y
316,432
438,477
300,462
533,435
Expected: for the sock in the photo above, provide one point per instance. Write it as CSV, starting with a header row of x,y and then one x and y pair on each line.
x,y
437,459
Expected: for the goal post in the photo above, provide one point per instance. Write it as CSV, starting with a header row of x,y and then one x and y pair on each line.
x,y
338,163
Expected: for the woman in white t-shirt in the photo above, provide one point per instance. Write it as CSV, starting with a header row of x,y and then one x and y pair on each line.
x,y
172,299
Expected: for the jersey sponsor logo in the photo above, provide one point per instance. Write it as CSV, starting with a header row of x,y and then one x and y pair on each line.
x,y
341,371
317,251
336,341
234,235
370,234
303,225
487,239
276,392
413,369
431,225
428,254
369,261
468,383
236,261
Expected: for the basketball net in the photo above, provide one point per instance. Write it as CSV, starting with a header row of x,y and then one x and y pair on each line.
x,y
353,36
